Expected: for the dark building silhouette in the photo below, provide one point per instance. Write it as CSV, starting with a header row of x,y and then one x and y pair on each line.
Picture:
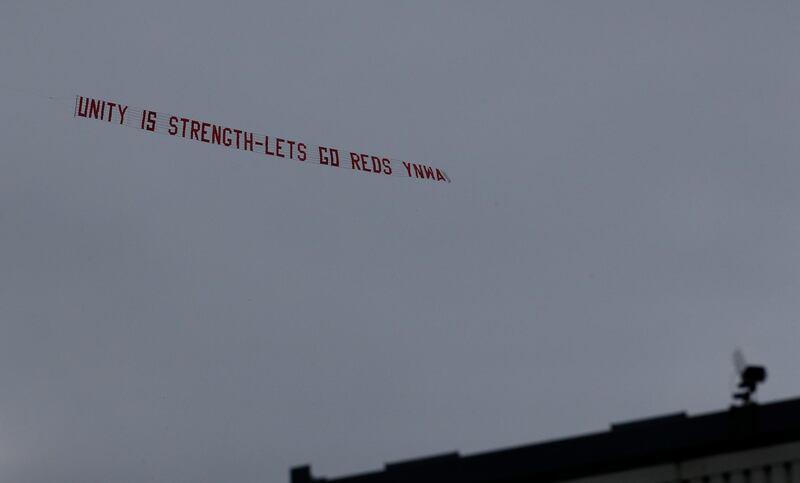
x,y
750,444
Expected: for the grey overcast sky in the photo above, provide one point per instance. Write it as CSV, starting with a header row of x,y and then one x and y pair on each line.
x,y
624,212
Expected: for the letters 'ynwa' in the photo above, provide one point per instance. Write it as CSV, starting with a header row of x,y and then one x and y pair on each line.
x,y
265,145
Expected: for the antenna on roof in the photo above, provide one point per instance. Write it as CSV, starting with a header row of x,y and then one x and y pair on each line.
x,y
750,378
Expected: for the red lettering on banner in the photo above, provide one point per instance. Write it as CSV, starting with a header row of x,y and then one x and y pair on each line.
x,y
376,164
195,130
83,107
173,127
328,156
94,109
207,132
278,142
364,158
111,107
184,121
148,120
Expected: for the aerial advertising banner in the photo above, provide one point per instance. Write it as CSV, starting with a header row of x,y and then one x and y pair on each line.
x,y
243,140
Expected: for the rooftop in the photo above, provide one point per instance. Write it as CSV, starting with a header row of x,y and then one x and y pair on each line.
x,y
628,445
